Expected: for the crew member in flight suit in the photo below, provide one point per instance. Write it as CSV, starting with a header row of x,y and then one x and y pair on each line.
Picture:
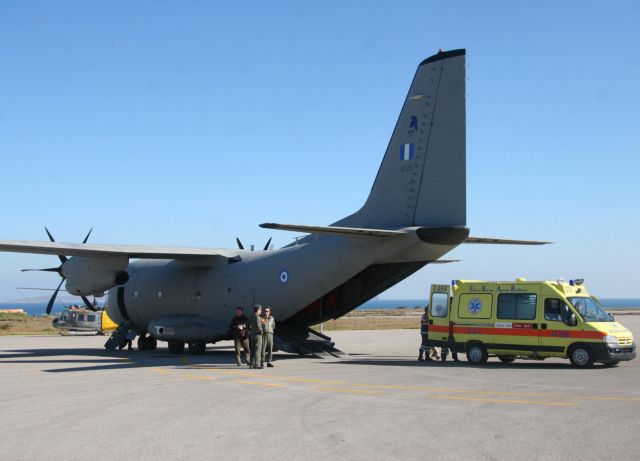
x,y
240,333
267,339
255,333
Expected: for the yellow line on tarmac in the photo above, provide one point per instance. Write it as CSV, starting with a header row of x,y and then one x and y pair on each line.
x,y
162,371
245,373
346,391
516,402
200,378
259,383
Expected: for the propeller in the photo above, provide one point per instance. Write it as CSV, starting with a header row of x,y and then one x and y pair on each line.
x,y
58,269
266,247
241,246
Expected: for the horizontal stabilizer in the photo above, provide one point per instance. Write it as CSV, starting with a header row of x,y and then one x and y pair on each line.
x,y
347,231
494,241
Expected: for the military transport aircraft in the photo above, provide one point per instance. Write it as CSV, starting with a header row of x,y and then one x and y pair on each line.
x,y
414,215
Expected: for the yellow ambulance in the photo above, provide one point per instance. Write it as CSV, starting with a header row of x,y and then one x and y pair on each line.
x,y
521,319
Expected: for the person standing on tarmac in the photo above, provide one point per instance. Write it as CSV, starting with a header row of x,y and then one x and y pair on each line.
x,y
240,333
255,332
267,339
451,346
424,333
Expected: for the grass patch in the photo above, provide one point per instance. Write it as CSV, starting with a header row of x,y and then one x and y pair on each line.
x,y
23,324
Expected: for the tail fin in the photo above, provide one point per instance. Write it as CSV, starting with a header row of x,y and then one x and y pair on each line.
x,y
422,179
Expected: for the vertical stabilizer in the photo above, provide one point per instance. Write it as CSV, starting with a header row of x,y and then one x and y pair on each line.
x,y
422,179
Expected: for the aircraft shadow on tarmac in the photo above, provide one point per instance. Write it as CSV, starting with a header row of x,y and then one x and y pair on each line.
x,y
223,357
99,359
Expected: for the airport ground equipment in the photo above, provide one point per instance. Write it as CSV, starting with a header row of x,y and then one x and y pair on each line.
x,y
530,320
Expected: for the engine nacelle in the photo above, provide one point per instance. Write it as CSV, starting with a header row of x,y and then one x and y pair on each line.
x,y
93,275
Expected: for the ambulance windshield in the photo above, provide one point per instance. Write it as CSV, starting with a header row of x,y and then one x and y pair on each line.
x,y
590,310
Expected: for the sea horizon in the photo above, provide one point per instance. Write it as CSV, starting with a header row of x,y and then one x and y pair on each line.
x,y
39,308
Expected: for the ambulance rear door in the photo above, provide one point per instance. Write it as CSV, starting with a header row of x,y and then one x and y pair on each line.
x,y
439,308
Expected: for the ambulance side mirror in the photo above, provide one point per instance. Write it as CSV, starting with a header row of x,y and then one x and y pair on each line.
x,y
572,321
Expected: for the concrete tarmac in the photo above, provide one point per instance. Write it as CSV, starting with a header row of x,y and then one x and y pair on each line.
x,y
67,398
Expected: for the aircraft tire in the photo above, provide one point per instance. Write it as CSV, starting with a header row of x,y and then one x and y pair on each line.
x,y
143,343
197,347
152,343
176,347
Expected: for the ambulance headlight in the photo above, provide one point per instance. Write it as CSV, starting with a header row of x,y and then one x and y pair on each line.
x,y
610,341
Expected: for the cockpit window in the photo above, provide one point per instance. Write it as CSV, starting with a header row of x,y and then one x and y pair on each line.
x,y
590,310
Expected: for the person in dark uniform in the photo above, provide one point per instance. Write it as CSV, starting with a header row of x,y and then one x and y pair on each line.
x,y
256,330
451,346
240,333
424,333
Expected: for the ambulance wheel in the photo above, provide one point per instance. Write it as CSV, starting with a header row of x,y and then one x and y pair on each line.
x,y
477,354
197,347
581,357
506,358
176,347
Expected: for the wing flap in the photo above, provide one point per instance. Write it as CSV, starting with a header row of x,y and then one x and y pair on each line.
x,y
334,230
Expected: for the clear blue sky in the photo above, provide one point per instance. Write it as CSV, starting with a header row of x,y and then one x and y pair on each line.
x,y
189,123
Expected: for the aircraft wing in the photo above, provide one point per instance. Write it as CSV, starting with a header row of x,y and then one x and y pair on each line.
x,y
347,231
494,241
132,251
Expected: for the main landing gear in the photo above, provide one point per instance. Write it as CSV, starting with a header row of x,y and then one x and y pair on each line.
x,y
147,343
195,347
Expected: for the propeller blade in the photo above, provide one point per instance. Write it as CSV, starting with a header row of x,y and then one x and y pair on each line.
x,y
62,258
50,269
49,234
53,297
266,247
87,237
88,303
239,243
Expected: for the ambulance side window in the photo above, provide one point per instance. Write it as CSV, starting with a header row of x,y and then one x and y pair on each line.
x,y
517,306
556,310
439,305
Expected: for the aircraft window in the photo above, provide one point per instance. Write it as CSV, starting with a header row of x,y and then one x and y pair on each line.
x,y
517,306
439,305
556,310
92,318
80,318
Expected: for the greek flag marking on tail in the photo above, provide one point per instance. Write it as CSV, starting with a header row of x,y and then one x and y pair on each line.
x,y
406,151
